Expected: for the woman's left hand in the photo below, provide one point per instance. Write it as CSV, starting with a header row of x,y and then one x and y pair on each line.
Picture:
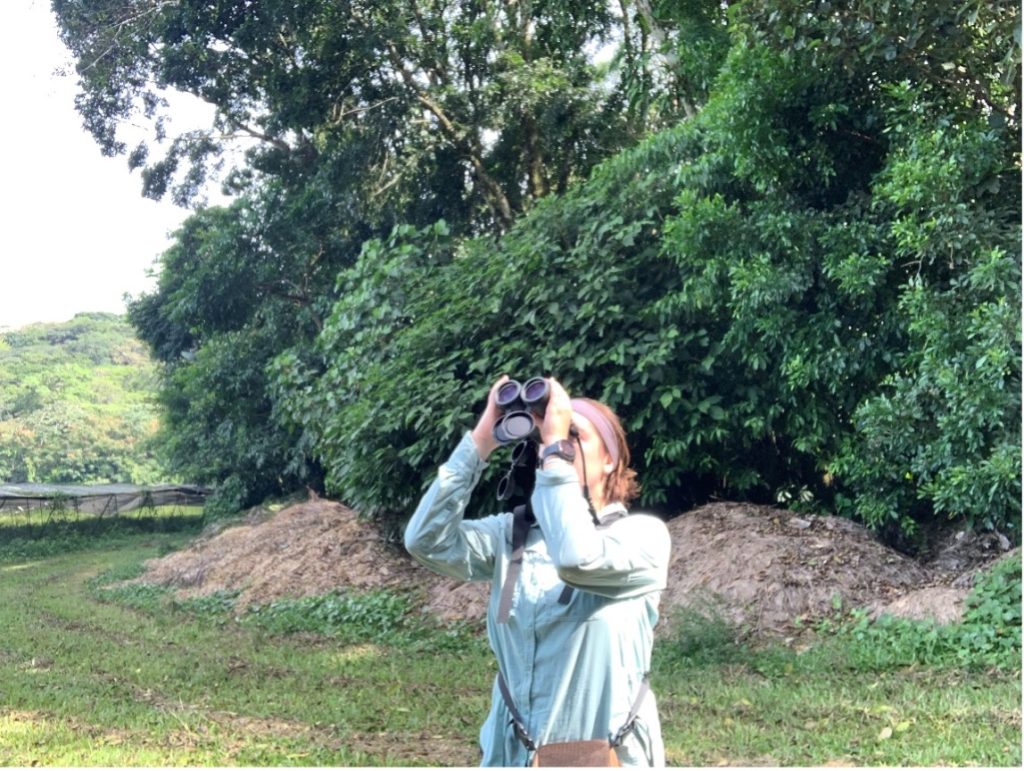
x,y
558,416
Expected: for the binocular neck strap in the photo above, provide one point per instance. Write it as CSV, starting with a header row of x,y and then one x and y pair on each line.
x,y
586,487
522,517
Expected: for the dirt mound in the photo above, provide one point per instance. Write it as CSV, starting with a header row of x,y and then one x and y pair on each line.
x,y
766,567
762,567
307,549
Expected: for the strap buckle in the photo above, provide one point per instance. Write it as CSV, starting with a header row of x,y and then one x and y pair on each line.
x,y
522,735
622,733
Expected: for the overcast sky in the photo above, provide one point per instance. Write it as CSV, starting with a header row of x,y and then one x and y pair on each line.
x,y
75,231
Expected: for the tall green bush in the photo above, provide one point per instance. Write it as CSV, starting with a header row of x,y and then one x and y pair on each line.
x,y
425,325
749,290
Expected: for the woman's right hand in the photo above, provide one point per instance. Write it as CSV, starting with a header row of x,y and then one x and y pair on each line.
x,y
483,434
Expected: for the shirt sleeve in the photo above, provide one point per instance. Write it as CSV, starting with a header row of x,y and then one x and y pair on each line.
x,y
627,559
438,537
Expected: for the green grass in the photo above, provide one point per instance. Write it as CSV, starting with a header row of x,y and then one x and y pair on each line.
x,y
88,682
782,708
93,674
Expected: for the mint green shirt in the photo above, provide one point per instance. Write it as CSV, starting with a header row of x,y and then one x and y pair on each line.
x,y
574,669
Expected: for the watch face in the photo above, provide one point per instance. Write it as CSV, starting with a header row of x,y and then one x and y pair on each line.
x,y
563,449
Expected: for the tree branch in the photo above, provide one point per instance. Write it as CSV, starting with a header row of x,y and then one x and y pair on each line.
x,y
492,190
280,144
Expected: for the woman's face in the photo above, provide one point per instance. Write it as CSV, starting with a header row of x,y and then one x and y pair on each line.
x,y
598,461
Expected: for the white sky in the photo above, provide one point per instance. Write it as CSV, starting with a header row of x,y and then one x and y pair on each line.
x,y
75,231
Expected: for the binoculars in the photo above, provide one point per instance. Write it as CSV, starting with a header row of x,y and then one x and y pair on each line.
x,y
517,424
517,402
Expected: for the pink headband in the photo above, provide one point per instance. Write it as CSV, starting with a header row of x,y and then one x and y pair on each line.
x,y
601,423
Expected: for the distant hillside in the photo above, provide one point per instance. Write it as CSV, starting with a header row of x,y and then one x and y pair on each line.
x,y
76,403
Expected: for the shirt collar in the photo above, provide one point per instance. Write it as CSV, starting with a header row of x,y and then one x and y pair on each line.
x,y
611,512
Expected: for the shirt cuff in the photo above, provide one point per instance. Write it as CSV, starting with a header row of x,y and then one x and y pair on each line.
x,y
466,458
556,474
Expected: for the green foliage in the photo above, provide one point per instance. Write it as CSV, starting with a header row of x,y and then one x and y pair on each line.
x,y
942,433
379,617
744,289
219,425
76,404
700,635
217,604
987,638
468,110
147,597
806,289
422,329
364,120
991,627
373,616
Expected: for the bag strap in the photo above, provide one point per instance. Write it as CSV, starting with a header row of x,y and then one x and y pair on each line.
x,y
517,720
522,518
519,725
634,711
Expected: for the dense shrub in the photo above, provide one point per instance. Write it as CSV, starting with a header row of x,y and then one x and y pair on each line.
x,y
424,326
795,291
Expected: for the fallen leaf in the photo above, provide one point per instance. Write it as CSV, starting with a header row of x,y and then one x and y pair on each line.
x,y
885,733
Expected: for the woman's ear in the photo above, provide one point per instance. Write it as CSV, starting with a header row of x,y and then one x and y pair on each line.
x,y
609,467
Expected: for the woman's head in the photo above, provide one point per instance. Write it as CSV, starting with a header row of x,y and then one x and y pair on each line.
x,y
604,452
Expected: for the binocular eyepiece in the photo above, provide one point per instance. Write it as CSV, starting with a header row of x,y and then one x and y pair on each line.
x,y
517,404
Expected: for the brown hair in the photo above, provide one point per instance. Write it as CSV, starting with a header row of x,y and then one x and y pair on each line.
x,y
620,486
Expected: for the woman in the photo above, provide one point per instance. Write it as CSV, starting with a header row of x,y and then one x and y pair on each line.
x,y
574,645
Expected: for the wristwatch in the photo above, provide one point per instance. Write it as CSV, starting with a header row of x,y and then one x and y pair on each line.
x,y
563,449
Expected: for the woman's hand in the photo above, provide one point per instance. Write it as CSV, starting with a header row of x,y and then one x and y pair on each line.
x,y
483,434
558,416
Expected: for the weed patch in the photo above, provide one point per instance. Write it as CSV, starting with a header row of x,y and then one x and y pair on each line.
x,y
988,637
381,616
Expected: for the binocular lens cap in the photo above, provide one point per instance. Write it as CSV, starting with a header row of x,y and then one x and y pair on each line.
x,y
517,425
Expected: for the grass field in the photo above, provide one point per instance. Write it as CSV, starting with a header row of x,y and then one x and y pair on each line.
x,y
92,677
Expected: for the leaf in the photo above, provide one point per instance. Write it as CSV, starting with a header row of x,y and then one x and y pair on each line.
x,y
885,733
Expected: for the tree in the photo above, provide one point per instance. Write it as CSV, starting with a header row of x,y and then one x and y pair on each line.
x,y
365,117
76,404
486,104
778,238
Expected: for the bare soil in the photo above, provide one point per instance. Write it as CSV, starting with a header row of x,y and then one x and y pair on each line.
x,y
761,567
